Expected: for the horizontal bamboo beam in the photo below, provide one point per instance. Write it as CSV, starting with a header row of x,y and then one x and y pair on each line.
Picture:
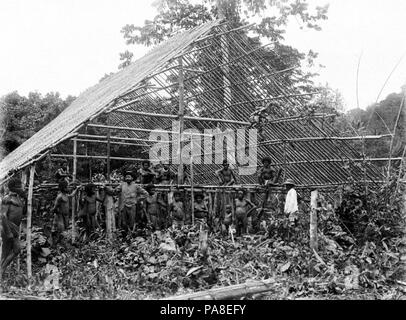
x,y
189,118
283,96
144,130
214,188
301,117
113,142
306,139
55,155
117,138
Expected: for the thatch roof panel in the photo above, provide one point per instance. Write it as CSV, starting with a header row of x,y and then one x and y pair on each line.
x,y
97,98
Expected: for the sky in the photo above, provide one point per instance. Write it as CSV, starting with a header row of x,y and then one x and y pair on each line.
x,y
68,45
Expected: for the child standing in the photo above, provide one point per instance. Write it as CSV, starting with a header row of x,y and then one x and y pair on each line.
x,y
241,212
88,203
153,204
227,220
61,211
201,211
176,211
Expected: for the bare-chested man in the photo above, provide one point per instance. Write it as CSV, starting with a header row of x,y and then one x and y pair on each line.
x,y
266,174
147,173
165,174
62,172
241,212
11,214
226,175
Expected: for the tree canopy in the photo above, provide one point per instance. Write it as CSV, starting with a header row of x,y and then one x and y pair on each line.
x,y
22,116
271,17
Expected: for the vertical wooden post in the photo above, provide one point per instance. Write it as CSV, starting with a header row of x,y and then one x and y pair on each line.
x,y
225,61
108,148
23,179
1,251
191,180
313,220
109,216
23,185
75,159
29,218
73,200
73,203
393,134
211,216
181,115
284,161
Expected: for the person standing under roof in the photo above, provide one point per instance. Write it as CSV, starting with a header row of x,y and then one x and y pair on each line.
x,y
291,206
165,175
226,175
61,211
62,172
266,174
146,173
88,203
11,214
242,208
130,194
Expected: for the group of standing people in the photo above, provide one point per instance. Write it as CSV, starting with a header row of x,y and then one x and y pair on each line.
x,y
141,205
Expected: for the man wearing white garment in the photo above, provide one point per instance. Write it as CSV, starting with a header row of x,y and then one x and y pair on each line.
x,y
291,207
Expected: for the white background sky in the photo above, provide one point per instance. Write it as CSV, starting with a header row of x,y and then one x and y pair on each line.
x,y
68,45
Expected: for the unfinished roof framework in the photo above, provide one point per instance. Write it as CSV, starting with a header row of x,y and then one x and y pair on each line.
x,y
206,78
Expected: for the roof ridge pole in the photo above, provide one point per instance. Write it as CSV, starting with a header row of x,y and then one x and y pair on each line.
x,y
181,115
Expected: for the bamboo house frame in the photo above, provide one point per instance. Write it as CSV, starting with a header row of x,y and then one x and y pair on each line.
x,y
205,78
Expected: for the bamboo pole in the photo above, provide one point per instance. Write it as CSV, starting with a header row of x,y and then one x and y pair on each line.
x,y
108,148
1,252
229,292
95,157
307,139
73,203
29,220
109,216
75,159
113,142
23,184
189,118
313,220
393,135
191,181
181,115
116,138
139,129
